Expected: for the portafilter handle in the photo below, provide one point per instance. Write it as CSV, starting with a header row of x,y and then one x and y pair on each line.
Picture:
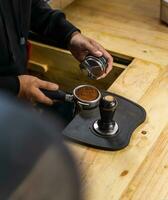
x,y
58,95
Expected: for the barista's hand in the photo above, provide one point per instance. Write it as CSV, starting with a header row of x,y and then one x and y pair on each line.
x,y
80,46
29,89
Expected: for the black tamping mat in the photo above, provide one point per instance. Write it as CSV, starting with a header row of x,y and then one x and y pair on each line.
x,y
128,116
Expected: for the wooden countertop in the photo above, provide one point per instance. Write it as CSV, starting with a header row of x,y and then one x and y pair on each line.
x,y
131,28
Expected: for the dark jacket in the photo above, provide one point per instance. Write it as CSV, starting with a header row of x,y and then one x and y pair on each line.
x,y
17,18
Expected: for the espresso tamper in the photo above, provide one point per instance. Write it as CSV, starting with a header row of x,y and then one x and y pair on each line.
x,y
106,126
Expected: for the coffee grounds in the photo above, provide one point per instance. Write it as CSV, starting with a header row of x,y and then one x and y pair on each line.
x,y
96,71
87,93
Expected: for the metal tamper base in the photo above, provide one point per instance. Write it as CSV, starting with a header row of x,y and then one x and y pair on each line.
x,y
113,131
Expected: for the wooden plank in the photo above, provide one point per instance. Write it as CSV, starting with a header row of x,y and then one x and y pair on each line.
x,y
65,3
55,3
136,79
150,182
37,67
107,174
60,3
128,27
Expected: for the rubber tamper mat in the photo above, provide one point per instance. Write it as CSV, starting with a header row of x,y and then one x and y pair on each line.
x,y
128,116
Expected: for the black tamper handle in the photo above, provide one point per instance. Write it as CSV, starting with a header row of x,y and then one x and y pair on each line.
x,y
108,105
55,95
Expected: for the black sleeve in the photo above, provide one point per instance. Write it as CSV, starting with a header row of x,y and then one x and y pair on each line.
x,y
51,23
10,84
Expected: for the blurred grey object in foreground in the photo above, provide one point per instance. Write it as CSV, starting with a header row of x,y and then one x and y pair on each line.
x,y
164,11
34,162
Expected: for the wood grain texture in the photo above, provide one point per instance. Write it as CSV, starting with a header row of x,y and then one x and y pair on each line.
x,y
60,3
136,79
55,4
65,3
132,28
151,182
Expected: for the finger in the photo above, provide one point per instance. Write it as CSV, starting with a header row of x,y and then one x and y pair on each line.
x,y
47,85
110,64
81,56
39,97
107,56
101,77
93,49
109,60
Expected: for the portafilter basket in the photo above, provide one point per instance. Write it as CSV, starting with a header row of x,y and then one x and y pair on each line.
x,y
84,96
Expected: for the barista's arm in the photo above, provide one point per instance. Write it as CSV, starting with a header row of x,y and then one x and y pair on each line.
x,y
51,23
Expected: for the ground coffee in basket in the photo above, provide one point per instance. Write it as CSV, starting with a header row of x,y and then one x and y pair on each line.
x,y
87,93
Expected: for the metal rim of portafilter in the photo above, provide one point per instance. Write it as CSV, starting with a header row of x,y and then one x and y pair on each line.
x,y
87,96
